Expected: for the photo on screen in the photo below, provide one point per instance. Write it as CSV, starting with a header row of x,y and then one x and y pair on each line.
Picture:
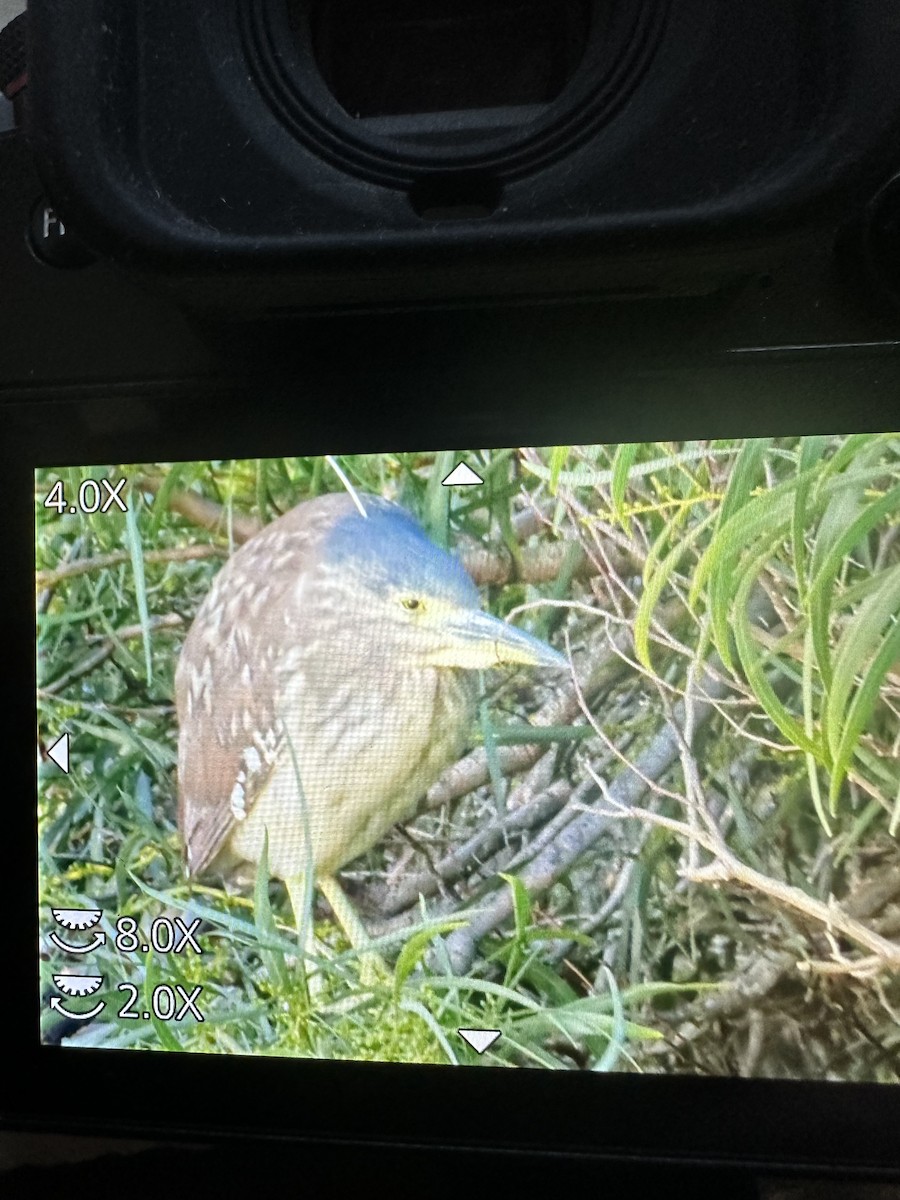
x,y
568,757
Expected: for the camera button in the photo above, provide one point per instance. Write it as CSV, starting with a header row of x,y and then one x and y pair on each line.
x,y
52,243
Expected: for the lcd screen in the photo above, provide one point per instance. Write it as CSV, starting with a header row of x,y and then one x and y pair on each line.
x,y
571,758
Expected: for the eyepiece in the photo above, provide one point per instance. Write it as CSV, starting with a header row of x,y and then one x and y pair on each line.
x,y
406,57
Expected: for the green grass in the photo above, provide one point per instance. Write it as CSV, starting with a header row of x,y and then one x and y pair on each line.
x,y
609,964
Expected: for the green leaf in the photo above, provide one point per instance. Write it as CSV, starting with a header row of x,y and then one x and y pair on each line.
x,y
861,707
812,766
129,740
830,563
273,960
657,577
436,515
498,779
136,553
414,950
850,451
798,531
468,983
765,516
622,463
419,1010
861,635
583,1018
547,981
558,458
522,910
618,1033
152,980
811,451
752,662
586,474
745,475
242,930
540,735
160,508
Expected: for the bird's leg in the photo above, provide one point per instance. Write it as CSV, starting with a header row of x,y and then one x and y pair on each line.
x,y
373,968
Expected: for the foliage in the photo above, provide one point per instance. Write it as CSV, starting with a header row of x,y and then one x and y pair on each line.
x,y
774,564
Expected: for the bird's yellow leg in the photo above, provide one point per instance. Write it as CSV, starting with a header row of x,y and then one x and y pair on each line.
x,y
373,968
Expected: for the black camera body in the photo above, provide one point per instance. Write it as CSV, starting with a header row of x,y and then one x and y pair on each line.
x,y
280,157
187,182
245,228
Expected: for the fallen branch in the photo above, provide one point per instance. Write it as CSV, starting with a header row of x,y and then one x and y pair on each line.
x,y
602,666
107,646
389,902
487,566
580,834
102,562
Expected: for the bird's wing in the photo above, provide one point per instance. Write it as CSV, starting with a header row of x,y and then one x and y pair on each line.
x,y
226,683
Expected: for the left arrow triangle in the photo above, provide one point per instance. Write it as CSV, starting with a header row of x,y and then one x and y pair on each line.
x,y
59,752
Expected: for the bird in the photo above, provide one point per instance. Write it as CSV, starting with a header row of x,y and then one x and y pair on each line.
x,y
327,679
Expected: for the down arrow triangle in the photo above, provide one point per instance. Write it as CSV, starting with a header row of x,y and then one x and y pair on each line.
x,y
479,1039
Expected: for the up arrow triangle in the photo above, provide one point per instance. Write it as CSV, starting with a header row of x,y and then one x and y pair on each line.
x,y
59,752
462,475
479,1039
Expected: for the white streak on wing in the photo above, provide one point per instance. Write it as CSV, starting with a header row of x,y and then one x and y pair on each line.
x,y
238,801
230,649
258,601
200,687
281,561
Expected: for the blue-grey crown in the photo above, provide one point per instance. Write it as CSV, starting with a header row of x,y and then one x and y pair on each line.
x,y
390,550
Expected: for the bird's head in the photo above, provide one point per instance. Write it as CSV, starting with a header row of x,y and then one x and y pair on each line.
x,y
416,599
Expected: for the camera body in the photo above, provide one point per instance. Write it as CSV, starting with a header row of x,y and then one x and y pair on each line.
x,y
248,229
279,158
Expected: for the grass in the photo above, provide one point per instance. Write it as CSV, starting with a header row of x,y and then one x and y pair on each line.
x,y
611,965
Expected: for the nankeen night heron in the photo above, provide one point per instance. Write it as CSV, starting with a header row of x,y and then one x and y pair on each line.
x,y
325,683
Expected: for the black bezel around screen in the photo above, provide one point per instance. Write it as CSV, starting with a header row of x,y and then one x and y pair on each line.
x,y
395,404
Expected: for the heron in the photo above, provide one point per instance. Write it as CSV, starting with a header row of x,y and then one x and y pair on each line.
x,y
328,678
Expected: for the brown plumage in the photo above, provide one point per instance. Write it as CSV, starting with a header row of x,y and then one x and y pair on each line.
x,y
324,684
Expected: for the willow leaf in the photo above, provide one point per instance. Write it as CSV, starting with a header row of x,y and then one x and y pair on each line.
x,y
862,706
822,586
752,661
621,468
858,641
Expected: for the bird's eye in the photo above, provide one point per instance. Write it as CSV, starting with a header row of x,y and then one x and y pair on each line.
x,y
411,603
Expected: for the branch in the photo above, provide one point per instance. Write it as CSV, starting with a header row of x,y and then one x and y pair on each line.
x,y
603,665
107,646
580,834
392,901
621,800
83,566
488,567
729,869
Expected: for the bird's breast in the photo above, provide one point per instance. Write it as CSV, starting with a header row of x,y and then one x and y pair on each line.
x,y
357,755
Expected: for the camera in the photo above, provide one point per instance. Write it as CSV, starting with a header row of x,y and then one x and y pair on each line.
x,y
277,158
453,445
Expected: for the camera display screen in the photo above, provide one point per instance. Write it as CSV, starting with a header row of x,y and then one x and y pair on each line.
x,y
568,757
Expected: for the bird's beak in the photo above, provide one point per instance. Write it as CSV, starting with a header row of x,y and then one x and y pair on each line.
x,y
476,640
